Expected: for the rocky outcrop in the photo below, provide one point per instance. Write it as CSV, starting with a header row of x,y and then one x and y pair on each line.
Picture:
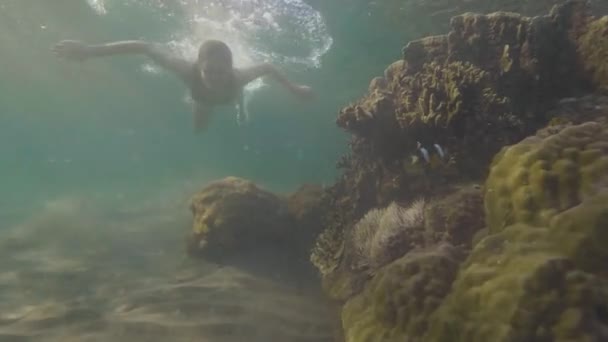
x,y
490,82
234,216
502,255
539,275
485,84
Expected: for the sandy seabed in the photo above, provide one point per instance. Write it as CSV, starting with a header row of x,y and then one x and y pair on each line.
x,y
76,272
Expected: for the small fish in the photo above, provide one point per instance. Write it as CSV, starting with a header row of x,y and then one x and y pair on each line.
x,y
435,157
439,151
425,154
423,151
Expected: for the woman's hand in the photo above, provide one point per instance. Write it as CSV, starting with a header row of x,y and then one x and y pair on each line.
x,y
72,50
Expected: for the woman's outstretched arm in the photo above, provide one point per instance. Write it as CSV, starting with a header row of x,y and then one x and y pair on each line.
x,y
79,51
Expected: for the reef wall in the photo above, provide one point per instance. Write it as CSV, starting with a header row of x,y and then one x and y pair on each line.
x,y
473,204
499,127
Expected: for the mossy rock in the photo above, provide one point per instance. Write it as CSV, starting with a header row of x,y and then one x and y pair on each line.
x,y
539,275
534,180
456,217
233,215
531,283
593,49
396,304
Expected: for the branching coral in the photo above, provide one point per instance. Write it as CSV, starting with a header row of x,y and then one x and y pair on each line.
x,y
486,84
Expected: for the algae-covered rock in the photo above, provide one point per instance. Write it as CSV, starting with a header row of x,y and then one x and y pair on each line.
x,y
233,214
539,177
531,284
593,48
485,84
397,302
490,82
306,207
540,273
456,217
385,234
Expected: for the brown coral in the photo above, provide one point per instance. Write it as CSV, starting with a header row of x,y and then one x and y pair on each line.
x,y
536,179
397,303
540,273
476,89
233,215
593,48
456,218
490,82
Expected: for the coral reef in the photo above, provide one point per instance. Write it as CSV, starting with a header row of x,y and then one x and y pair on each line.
x,y
540,273
540,177
527,247
306,207
233,216
397,302
384,235
488,83
536,274
456,217
521,257
476,89
593,47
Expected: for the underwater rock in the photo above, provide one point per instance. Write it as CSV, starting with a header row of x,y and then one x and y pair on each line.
x,y
532,236
538,178
397,302
455,218
384,235
234,215
485,84
593,48
530,283
540,273
488,83
548,268
306,208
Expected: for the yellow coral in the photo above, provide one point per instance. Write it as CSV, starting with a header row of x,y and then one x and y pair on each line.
x,y
593,49
398,301
440,91
233,214
537,178
539,275
326,253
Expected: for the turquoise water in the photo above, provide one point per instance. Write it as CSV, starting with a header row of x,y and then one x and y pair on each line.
x,y
98,160
111,127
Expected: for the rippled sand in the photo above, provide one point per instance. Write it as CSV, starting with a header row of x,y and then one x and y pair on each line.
x,y
74,272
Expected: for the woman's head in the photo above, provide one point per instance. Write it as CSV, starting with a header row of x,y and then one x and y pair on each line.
x,y
215,62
